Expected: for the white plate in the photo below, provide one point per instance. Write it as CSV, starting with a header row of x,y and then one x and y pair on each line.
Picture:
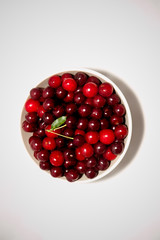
x,y
128,118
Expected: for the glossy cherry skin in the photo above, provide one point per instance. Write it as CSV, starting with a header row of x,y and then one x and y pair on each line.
x,y
41,111
44,165
69,163
80,167
69,132
69,84
66,75
48,104
82,123
93,125
91,162
71,108
113,99
49,143
121,131
58,111
105,89
116,147
87,150
56,158
91,173
119,110
39,133
42,124
104,123
72,175
69,154
61,92
107,111
78,140
99,148
84,110
56,171
79,155
70,144
29,127
60,142
54,81
36,144
80,78
32,138
31,117
92,137
96,113
48,118
90,90
89,101
115,120
36,93
99,101
78,90
106,136
79,132
51,134
32,105
109,155
69,97
43,155
79,98
94,80
103,164
48,92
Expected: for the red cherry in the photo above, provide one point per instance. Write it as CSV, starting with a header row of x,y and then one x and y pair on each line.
x,y
66,75
49,143
72,175
94,80
41,111
79,132
121,131
119,109
54,81
96,113
32,105
43,155
106,136
56,172
92,137
109,155
99,101
105,89
115,120
69,97
87,150
91,173
44,165
89,101
69,84
56,158
52,134
28,127
90,90
36,144
103,164
79,155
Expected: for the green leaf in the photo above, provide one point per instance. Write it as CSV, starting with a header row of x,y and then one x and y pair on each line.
x,y
58,122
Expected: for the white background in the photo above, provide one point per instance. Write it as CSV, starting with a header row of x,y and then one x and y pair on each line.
x,y
120,38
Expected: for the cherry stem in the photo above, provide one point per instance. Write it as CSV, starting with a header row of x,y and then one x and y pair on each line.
x,y
60,134
60,127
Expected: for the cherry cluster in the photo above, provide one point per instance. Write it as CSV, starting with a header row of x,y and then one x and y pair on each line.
x,y
92,134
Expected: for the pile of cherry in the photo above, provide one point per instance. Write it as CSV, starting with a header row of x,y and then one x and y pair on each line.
x,y
78,125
